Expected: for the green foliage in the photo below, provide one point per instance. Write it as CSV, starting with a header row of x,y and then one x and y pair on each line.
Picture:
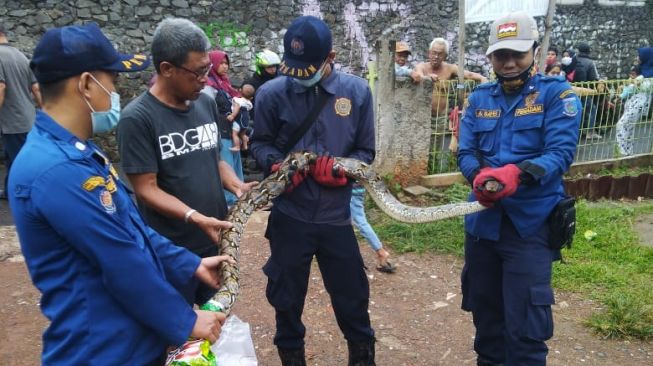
x,y
391,182
442,162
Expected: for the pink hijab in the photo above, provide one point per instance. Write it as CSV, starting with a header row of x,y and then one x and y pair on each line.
x,y
220,82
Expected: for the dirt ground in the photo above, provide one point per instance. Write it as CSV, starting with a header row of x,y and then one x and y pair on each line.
x,y
415,312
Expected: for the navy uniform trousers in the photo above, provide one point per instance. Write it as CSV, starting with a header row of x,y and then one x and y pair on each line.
x,y
506,284
293,244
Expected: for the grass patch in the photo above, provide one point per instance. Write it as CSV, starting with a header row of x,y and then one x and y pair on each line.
x,y
611,268
617,172
443,236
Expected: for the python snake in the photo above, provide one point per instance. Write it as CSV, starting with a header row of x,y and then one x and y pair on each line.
x,y
275,184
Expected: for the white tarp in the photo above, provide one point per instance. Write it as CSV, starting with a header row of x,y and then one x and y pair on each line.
x,y
488,10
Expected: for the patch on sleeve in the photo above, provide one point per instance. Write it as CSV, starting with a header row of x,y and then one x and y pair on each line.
x,y
93,182
569,107
566,93
107,201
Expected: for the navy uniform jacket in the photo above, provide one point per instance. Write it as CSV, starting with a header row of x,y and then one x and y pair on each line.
x,y
344,128
108,282
538,131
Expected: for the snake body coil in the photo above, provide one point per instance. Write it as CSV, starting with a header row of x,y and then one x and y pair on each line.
x,y
276,183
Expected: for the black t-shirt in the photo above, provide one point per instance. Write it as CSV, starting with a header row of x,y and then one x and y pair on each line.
x,y
183,148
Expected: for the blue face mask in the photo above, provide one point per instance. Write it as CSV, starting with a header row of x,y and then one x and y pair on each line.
x,y
104,121
314,79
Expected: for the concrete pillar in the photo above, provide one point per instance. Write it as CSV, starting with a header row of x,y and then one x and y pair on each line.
x,y
403,121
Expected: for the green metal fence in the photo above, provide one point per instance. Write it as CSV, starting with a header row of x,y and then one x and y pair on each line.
x,y
602,135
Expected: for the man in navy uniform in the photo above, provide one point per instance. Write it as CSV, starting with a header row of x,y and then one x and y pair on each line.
x,y
313,218
110,284
520,131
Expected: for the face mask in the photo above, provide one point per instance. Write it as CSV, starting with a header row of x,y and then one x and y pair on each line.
x,y
515,83
313,80
104,121
566,61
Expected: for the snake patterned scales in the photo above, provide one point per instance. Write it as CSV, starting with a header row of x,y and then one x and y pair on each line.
x,y
275,184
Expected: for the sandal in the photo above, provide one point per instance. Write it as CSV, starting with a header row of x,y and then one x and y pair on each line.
x,y
386,267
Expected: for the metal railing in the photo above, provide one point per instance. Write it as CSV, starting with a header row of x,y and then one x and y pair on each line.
x,y
617,121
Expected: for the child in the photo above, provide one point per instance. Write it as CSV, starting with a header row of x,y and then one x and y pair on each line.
x,y
240,126
357,208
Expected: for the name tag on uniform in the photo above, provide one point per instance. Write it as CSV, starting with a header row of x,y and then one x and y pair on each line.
x,y
488,113
531,109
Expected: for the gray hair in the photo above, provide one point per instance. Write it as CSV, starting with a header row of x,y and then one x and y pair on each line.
x,y
441,41
174,39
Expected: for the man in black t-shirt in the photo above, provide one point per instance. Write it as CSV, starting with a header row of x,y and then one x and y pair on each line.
x,y
170,146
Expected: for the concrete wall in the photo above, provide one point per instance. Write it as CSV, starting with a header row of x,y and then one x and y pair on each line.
x,y
403,115
615,29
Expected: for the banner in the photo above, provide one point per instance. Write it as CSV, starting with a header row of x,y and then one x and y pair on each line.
x,y
488,10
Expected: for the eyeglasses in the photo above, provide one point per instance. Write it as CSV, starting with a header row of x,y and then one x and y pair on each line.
x,y
201,74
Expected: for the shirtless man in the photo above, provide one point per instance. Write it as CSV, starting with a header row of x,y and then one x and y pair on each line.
x,y
440,72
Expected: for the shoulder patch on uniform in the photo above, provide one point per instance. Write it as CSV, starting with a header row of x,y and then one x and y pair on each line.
x,y
93,182
566,93
343,107
107,201
569,107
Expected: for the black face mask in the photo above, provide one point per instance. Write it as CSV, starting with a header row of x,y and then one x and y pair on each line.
x,y
515,83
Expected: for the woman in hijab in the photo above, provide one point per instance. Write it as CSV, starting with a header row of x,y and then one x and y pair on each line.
x,y
646,61
219,87
637,97
568,62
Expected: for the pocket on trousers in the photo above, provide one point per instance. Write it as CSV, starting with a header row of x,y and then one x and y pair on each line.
x,y
464,288
277,292
539,318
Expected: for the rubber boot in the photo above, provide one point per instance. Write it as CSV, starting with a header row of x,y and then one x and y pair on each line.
x,y
292,356
361,353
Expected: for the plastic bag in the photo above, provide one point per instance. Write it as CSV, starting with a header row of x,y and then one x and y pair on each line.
x,y
235,346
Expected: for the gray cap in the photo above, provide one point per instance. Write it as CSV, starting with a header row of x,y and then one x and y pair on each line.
x,y
514,31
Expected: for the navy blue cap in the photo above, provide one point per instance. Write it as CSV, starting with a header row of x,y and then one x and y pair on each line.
x,y
306,45
72,50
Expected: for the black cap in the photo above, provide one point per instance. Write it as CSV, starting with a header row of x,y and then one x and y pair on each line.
x,y
306,45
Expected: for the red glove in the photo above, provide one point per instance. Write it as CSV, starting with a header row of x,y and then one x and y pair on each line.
x,y
479,188
507,176
322,172
296,177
